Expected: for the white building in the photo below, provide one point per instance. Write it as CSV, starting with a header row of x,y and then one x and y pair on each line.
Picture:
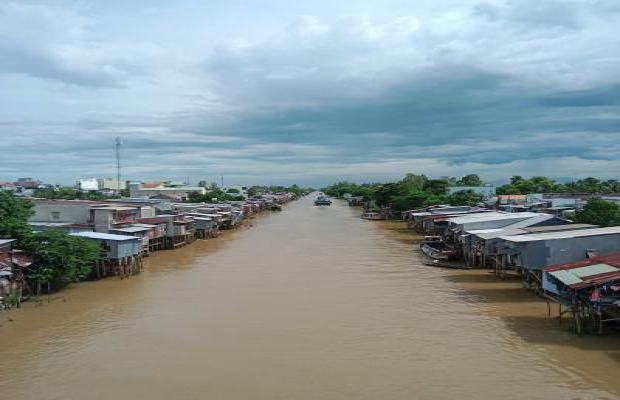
x,y
88,184
149,190
93,184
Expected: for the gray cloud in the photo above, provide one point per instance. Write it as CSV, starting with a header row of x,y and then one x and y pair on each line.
x,y
59,45
497,88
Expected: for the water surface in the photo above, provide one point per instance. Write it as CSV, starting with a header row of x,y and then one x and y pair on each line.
x,y
310,303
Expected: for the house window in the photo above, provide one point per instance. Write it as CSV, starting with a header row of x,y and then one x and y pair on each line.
x,y
55,215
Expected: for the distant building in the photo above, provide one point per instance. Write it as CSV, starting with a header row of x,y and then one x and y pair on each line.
x,y
29,183
148,190
99,184
484,191
9,187
88,184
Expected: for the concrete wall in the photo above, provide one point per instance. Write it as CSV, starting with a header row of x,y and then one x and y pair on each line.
x,y
74,213
539,254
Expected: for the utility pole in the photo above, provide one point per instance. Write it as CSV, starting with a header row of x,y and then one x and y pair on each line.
x,y
118,164
222,181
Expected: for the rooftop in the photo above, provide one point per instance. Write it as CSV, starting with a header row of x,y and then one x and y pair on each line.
x,y
104,236
531,237
492,216
556,228
115,208
585,273
132,229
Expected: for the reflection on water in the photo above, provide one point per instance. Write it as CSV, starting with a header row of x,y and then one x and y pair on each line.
x,y
310,303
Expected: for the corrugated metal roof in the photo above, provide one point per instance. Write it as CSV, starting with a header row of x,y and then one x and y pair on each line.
x,y
558,228
610,259
5,241
536,219
104,236
481,231
581,276
146,225
491,217
115,208
502,232
566,277
563,234
132,229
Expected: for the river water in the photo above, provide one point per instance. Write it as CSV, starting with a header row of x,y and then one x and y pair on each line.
x,y
310,303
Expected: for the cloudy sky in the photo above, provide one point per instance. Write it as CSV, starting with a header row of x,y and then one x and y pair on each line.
x,y
309,92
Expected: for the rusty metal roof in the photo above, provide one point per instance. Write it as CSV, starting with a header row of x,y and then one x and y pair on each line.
x,y
593,271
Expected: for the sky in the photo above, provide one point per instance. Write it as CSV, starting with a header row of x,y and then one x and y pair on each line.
x,y
283,92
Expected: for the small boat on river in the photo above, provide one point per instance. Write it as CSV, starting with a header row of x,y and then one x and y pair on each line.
x,y
322,201
373,216
435,248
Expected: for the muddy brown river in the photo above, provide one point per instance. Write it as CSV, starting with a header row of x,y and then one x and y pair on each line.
x,y
310,303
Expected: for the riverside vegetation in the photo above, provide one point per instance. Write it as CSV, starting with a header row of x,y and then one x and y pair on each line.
x,y
418,191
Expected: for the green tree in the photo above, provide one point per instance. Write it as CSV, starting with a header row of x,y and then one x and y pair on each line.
x,y
14,215
436,186
464,198
202,184
536,184
515,180
384,194
599,212
233,190
470,180
195,197
508,189
59,258
412,182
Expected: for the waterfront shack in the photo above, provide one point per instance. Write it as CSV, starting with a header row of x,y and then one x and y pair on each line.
x,y
13,266
112,217
424,219
141,232
156,233
119,254
206,227
479,245
460,225
355,201
589,289
532,252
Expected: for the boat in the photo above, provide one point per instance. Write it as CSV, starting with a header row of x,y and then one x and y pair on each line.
x,y
373,216
436,248
322,201
444,264
275,207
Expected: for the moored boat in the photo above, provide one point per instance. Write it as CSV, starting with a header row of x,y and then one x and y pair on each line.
x,y
436,248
